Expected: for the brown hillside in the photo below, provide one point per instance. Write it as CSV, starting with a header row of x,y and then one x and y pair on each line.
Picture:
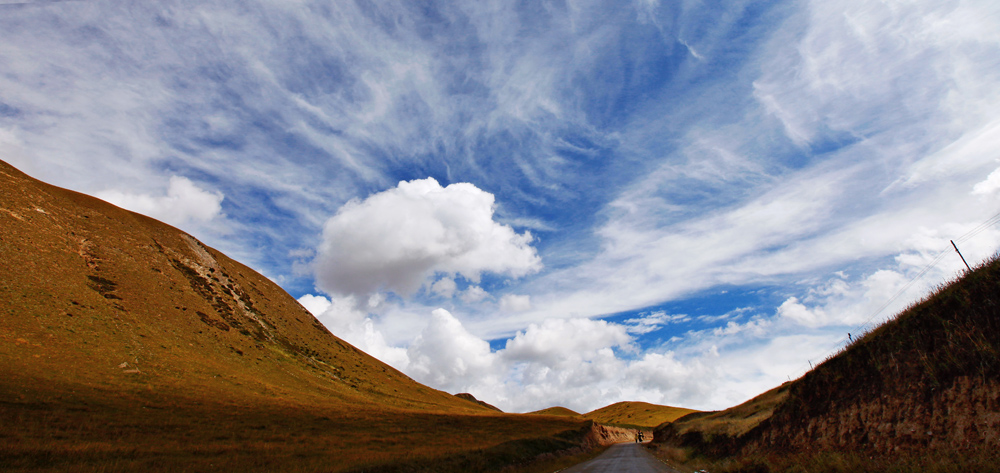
x,y
96,295
641,414
471,398
556,411
128,345
921,390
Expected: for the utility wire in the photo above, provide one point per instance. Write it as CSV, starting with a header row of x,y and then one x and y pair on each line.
x,y
861,328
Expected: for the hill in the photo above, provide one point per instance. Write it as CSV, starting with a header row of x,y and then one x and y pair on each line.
x,y
471,398
639,414
128,345
918,393
556,411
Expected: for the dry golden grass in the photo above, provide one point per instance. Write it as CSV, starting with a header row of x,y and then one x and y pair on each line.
x,y
48,429
127,345
96,295
556,411
735,421
917,393
637,414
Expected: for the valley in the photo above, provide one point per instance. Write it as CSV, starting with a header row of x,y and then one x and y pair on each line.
x,y
128,345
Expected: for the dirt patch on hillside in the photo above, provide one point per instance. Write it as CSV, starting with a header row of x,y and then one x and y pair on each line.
x,y
604,435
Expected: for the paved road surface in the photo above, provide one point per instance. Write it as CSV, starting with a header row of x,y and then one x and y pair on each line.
x,y
623,458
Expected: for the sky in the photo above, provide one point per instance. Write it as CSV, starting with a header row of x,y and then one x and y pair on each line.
x,y
543,203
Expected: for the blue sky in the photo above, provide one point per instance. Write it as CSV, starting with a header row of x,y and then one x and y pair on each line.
x,y
541,203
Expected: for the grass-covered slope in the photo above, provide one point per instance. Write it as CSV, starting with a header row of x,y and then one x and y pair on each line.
x,y
732,422
472,399
128,345
557,411
98,296
637,414
921,391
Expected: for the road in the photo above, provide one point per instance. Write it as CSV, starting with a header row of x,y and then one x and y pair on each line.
x,y
623,458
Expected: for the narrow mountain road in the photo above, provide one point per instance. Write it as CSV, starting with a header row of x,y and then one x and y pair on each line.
x,y
623,458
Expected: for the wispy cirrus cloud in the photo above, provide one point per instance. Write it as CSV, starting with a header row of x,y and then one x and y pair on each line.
x,y
821,153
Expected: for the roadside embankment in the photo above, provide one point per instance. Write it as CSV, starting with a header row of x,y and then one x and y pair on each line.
x,y
917,393
604,435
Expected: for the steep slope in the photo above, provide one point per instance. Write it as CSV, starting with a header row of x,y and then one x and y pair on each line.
x,y
923,389
98,295
714,433
128,345
640,414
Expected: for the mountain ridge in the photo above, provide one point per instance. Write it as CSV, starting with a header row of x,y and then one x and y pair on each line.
x,y
128,345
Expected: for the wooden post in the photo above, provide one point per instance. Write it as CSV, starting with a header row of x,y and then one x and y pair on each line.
x,y
960,255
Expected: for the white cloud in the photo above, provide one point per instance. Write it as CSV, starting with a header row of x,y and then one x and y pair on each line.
x,y
515,303
989,185
316,305
344,319
473,294
654,321
584,364
563,342
447,356
444,287
395,240
183,203
884,78
302,107
792,309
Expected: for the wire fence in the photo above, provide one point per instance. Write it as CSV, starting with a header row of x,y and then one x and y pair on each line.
x,y
872,321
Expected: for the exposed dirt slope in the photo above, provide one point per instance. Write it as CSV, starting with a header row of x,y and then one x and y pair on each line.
x,y
641,414
925,383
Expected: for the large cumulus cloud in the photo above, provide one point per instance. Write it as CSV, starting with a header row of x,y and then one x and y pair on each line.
x,y
397,239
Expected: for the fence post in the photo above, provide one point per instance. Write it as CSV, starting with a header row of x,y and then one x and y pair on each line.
x,y
960,255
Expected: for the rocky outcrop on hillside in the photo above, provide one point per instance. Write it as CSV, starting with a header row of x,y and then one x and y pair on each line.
x,y
604,435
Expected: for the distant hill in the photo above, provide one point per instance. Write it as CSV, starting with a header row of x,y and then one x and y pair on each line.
x,y
918,393
641,414
557,411
471,398
128,345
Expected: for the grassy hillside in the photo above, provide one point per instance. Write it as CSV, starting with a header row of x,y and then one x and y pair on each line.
x,y
735,421
128,345
918,393
471,398
639,414
556,411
